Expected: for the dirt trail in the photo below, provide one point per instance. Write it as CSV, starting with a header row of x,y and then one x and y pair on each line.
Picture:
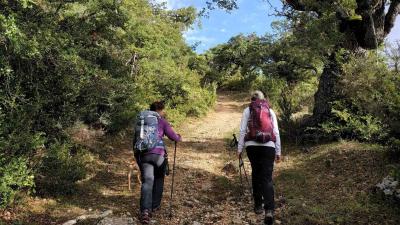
x,y
204,147
204,192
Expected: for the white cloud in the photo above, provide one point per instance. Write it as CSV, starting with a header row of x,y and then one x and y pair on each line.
x,y
223,30
193,35
172,4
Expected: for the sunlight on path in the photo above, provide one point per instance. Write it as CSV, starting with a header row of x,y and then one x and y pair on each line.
x,y
204,192
204,144
216,124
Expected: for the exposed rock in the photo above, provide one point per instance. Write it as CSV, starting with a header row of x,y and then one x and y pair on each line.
x,y
70,222
90,216
106,213
389,187
388,192
123,220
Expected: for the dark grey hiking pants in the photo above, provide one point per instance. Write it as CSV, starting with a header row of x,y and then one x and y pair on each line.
x,y
152,171
262,163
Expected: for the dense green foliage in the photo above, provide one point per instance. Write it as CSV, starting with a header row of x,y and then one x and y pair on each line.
x,y
94,61
15,175
370,109
278,66
287,67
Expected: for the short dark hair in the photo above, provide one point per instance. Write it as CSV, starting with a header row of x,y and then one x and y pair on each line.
x,y
157,106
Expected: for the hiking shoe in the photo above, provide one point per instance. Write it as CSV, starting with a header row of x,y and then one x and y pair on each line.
x,y
269,217
258,209
145,217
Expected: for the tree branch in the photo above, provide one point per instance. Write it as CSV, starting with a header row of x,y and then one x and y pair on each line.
x,y
391,15
296,5
317,6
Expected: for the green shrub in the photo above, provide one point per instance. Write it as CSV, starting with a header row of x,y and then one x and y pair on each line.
x,y
98,62
62,166
347,123
237,82
15,176
369,108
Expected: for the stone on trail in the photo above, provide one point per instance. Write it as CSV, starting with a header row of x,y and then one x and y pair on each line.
x,y
70,222
123,220
106,213
90,216
196,223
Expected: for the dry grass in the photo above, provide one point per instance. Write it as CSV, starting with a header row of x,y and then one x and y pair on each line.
x,y
332,185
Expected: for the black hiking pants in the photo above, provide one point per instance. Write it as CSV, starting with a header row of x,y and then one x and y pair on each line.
x,y
262,163
152,170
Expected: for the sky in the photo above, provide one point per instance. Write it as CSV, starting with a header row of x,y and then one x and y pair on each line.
x,y
253,16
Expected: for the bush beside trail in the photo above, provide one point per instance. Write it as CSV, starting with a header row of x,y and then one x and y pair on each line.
x,y
96,62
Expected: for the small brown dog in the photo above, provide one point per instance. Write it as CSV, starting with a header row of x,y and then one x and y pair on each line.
x,y
132,166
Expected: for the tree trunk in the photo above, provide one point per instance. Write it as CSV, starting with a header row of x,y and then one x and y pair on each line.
x,y
367,32
328,90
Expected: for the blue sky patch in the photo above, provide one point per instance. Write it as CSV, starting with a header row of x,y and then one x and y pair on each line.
x,y
253,16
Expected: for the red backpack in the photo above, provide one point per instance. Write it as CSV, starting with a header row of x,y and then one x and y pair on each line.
x,y
260,125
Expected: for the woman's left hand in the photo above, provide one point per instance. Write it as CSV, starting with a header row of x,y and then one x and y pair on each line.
x,y
278,158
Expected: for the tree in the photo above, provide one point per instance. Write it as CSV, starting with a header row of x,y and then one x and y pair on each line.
x,y
364,24
336,25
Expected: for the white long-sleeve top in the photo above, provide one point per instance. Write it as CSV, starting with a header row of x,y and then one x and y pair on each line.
x,y
243,132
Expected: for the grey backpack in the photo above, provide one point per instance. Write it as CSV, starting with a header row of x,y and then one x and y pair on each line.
x,y
146,131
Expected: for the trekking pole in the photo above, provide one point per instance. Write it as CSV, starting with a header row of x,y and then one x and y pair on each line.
x,y
241,164
172,185
240,174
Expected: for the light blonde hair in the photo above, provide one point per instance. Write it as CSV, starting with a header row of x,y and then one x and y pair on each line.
x,y
257,95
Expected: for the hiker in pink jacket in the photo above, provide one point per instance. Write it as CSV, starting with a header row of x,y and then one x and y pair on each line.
x,y
152,165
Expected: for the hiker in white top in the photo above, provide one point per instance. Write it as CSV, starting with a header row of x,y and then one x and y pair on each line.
x,y
259,134
243,130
